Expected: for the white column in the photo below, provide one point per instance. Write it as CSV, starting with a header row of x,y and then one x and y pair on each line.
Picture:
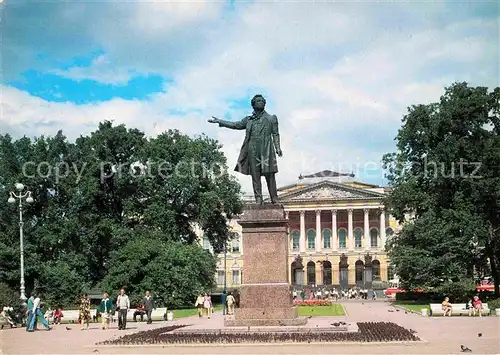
x,y
366,228
382,228
302,241
334,230
290,241
318,230
350,236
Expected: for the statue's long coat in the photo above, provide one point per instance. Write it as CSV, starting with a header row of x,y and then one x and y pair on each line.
x,y
262,139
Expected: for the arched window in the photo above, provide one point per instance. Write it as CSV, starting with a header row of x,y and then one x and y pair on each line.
x,y
327,238
311,273
374,237
376,270
206,244
359,269
297,273
235,243
327,273
390,272
311,239
295,239
358,238
342,238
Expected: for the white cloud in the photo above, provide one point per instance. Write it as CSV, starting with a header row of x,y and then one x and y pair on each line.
x,y
341,108
101,70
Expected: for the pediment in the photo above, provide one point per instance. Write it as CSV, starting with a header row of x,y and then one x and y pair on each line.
x,y
329,191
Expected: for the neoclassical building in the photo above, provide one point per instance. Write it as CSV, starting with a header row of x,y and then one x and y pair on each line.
x,y
338,228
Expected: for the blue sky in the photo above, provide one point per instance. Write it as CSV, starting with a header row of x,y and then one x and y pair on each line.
x,y
338,75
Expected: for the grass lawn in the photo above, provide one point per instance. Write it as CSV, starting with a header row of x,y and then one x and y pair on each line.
x,y
188,312
412,306
322,311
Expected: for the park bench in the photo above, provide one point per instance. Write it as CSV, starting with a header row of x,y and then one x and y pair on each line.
x,y
457,309
69,316
156,315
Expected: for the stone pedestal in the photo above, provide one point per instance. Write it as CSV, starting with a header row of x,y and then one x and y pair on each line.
x,y
265,294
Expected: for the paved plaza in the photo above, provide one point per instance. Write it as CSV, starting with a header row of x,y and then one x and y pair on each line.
x,y
441,336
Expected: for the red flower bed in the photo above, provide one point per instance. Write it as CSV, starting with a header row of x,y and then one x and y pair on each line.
x,y
313,303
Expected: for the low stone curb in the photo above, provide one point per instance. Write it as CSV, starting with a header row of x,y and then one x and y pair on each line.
x,y
408,310
337,343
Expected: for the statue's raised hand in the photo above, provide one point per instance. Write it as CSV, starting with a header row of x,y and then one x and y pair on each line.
x,y
214,120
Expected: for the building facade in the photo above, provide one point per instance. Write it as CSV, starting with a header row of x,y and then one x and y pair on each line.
x,y
338,229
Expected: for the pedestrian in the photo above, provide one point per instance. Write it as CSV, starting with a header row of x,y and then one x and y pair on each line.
x,y
207,304
230,304
106,310
85,312
122,305
148,303
223,300
37,313
30,310
199,305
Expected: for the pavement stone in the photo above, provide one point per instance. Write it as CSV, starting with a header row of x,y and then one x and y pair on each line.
x,y
442,335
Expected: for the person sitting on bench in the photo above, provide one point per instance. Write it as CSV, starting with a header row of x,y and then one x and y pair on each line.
x,y
140,311
446,305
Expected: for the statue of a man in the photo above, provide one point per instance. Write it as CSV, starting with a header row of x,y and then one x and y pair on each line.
x,y
260,147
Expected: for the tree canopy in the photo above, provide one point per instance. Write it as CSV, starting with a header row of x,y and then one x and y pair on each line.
x,y
112,194
446,171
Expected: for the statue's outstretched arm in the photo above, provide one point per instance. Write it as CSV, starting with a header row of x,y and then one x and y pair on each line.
x,y
242,124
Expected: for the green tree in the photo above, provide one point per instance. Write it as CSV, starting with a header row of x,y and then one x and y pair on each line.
x,y
174,272
447,172
93,196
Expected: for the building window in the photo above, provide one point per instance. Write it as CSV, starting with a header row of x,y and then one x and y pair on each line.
x,y
327,273
206,244
374,238
390,272
311,273
311,238
376,270
295,240
327,238
220,277
342,238
235,244
359,271
358,238
236,277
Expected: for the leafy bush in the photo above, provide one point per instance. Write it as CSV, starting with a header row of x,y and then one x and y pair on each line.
x,y
458,292
420,297
494,304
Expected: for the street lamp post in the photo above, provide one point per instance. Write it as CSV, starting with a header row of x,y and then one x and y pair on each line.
x,y
12,199
225,267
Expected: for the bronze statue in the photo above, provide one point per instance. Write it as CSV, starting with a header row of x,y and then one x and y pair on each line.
x,y
260,147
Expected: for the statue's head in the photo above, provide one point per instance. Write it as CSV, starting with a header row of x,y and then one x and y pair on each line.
x,y
258,102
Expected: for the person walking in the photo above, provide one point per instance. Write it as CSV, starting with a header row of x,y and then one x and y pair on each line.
x,y
230,304
223,300
85,312
207,304
106,310
199,305
123,305
30,310
37,313
148,303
